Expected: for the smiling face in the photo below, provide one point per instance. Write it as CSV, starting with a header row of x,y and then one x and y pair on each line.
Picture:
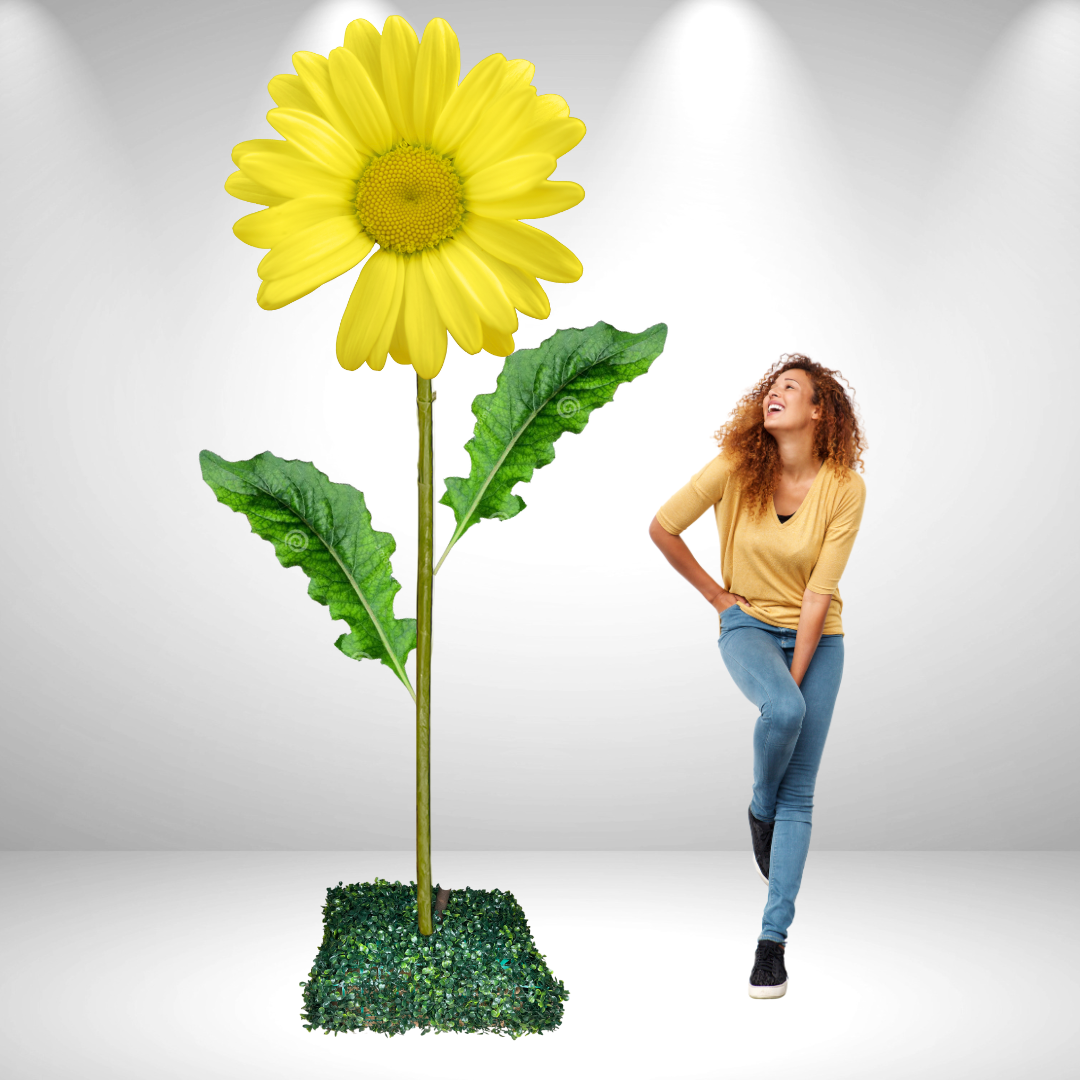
x,y
793,392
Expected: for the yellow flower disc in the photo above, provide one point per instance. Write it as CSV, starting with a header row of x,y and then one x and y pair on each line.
x,y
409,199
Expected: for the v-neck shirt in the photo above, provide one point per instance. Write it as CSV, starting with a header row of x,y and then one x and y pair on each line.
x,y
774,560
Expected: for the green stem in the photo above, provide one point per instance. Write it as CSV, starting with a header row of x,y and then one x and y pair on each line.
x,y
426,545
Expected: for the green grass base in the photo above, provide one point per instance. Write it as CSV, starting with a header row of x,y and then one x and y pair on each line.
x,y
478,970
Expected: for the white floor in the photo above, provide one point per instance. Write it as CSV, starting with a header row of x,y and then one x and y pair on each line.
x,y
901,964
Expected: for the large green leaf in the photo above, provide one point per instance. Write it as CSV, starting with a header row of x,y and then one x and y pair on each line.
x,y
325,529
539,394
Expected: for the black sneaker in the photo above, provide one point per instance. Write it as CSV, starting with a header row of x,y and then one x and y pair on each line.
x,y
761,839
769,977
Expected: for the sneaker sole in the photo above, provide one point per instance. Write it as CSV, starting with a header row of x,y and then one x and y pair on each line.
x,y
758,868
769,991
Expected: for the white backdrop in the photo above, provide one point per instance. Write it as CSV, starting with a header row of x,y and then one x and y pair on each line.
x,y
891,189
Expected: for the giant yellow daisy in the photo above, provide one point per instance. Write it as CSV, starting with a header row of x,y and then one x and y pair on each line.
x,y
382,146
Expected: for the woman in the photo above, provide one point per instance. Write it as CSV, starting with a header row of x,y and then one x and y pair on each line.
x,y
788,505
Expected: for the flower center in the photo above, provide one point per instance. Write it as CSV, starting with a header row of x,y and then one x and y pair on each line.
x,y
409,198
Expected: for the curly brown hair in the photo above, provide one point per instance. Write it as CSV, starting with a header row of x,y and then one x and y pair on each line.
x,y
755,456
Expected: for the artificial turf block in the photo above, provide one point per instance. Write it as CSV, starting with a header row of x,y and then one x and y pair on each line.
x,y
478,970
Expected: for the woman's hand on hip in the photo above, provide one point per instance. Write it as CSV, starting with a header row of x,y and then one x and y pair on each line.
x,y
724,599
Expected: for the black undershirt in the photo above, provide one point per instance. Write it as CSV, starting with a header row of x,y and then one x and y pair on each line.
x,y
783,517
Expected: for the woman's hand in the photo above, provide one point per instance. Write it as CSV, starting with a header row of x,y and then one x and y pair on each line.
x,y
724,599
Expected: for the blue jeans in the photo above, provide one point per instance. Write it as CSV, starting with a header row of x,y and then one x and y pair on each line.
x,y
789,738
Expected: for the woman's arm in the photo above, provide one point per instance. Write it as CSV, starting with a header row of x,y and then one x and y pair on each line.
x,y
678,554
811,622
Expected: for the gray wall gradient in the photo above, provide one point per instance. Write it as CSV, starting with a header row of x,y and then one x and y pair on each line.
x,y
888,187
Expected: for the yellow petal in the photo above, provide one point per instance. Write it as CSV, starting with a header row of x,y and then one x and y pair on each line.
x,y
372,312
294,177
546,198
364,42
495,342
555,137
314,71
460,317
519,73
266,228
428,370
397,56
498,127
242,187
251,146
399,347
318,139
425,332
281,291
467,103
438,64
522,290
479,286
301,249
508,179
360,99
529,249
288,92
551,107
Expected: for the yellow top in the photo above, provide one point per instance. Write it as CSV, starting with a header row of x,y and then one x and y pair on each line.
x,y
769,562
